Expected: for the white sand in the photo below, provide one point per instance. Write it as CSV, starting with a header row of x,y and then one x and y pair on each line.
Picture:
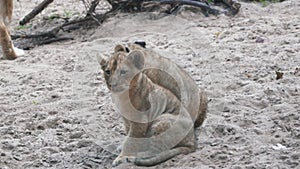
x,y
56,112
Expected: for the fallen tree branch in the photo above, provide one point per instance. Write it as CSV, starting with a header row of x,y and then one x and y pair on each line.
x,y
233,6
93,6
202,5
35,11
50,33
28,41
52,40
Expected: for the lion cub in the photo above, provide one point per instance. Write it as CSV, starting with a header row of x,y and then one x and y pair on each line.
x,y
6,11
159,102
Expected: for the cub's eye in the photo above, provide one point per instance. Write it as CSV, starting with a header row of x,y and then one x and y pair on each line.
x,y
107,72
123,72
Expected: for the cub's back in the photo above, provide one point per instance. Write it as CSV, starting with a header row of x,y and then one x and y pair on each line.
x,y
164,72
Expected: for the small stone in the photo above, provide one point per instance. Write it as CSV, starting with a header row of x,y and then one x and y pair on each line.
x,y
40,127
257,131
279,75
283,157
240,39
76,135
236,59
54,96
52,150
17,157
214,144
296,156
84,143
279,146
52,112
226,109
66,121
297,71
222,157
290,50
8,145
259,40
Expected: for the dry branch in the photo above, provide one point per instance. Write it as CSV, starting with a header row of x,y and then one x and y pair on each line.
x,y
54,31
202,5
91,17
56,39
93,6
35,11
46,37
233,6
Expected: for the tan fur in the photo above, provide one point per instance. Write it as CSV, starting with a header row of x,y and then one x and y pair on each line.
x,y
159,117
6,10
6,43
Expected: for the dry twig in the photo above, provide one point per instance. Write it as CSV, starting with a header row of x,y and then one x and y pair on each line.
x,y
35,11
202,5
117,5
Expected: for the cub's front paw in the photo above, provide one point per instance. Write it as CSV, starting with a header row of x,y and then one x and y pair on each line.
x,y
123,159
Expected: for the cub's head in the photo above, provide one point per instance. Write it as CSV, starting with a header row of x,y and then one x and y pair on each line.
x,y
122,66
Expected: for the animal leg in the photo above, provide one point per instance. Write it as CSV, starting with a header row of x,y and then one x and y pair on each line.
x,y
130,146
6,43
185,146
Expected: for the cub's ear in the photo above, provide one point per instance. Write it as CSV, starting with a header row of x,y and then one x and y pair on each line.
x,y
102,61
141,43
137,58
120,48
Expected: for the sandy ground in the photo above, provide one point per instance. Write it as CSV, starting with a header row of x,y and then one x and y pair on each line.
x,y
56,112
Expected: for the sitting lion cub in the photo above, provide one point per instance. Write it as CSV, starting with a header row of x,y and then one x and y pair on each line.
x,y
159,102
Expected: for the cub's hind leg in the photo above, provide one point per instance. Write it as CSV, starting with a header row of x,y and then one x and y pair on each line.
x,y
185,145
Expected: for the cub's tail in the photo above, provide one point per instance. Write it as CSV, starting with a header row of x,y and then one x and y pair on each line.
x,y
202,109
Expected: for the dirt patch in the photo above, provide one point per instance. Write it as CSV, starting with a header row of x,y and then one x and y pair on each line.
x,y
56,111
